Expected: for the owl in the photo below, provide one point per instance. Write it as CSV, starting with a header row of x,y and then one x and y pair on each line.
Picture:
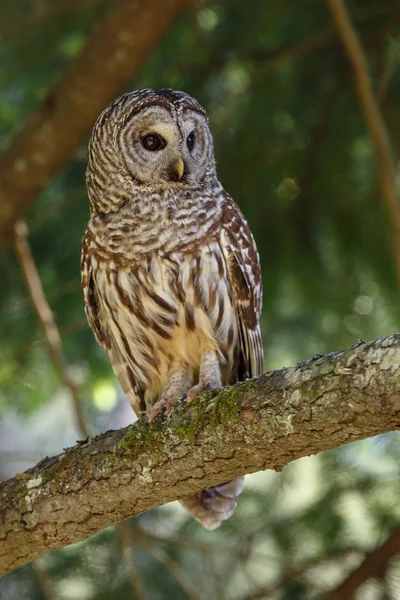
x,y
170,271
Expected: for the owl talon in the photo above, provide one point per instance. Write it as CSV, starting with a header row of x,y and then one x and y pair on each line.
x,y
160,410
155,412
194,392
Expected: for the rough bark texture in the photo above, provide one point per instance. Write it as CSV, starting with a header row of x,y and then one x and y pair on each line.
x,y
263,423
112,55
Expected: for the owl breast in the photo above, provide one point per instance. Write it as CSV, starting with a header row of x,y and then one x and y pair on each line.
x,y
167,309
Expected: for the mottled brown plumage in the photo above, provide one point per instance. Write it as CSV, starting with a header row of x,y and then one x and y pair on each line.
x,y
170,271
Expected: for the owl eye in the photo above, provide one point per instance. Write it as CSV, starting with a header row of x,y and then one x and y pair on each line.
x,y
153,142
190,141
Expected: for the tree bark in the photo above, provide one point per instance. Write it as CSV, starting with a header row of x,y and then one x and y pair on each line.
x,y
117,48
263,423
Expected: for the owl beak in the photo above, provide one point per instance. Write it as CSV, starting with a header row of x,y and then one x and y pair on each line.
x,y
178,167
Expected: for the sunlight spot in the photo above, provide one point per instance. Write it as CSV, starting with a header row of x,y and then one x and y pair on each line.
x,y
104,395
288,189
207,19
363,305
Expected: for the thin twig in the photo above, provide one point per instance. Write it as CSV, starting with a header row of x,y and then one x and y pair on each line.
x,y
317,40
43,580
208,549
128,549
373,565
378,132
46,319
174,568
392,62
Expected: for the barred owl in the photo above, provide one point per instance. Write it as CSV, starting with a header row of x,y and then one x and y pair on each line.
x,y
170,271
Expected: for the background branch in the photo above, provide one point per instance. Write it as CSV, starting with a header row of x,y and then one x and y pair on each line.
x,y
128,548
45,316
112,55
172,566
373,565
379,136
262,423
43,580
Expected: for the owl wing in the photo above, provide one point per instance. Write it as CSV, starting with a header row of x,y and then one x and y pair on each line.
x,y
90,295
103,335
244,274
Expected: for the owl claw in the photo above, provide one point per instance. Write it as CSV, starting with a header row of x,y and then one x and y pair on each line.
x,y
160,410
164,407
200,388
157,412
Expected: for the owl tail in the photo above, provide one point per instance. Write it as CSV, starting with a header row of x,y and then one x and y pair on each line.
x,y
215,504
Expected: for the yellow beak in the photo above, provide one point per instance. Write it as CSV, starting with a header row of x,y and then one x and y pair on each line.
x,y
179,167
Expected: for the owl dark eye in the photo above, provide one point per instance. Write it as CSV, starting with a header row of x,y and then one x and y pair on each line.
x,y
153,142
190,141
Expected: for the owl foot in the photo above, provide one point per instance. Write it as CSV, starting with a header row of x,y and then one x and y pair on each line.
x,y
161,408
164,407
200,388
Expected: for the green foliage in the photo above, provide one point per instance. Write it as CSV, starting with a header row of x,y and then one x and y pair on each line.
x,y
293,150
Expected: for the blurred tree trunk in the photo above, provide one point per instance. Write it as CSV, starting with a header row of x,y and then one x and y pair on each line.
x,y
117,48
259,424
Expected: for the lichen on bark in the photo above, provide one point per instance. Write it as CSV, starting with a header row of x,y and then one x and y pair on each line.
x,y
258,424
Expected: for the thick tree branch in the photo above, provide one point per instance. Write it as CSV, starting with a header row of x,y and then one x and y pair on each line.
x,y
112,55
259,424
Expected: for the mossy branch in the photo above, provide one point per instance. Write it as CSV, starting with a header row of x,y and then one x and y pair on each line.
x,y
260,424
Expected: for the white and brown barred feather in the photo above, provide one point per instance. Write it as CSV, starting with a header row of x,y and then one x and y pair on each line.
x,y
218,276
244,273
170,272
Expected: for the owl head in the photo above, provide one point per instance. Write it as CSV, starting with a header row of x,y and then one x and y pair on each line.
x,y
148,139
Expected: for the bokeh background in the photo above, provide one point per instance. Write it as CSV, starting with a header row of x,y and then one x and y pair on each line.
x,y
294,151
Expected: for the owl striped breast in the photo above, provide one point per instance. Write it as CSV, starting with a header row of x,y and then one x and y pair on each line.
x,y
165,309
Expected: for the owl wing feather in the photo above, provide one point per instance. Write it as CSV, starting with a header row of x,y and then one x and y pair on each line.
x,y
103,335
244,274
90,296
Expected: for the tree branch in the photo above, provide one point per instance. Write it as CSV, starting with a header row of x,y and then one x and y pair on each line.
x,y
128,548
375,563
44,580
117,48
46,318
172,566
379,135
259,424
